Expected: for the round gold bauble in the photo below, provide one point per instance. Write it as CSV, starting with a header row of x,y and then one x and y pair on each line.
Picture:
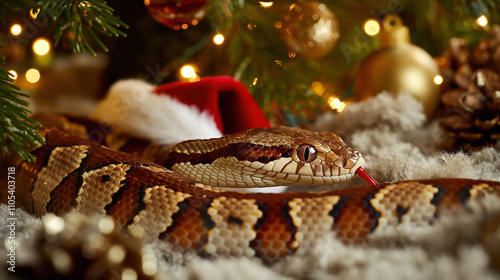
x,y
309,29
399,69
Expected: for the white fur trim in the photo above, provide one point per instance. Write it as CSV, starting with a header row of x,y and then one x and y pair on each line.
x,y
132,107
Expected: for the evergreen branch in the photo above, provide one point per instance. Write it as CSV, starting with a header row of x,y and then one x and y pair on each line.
x,y
17,129
79,19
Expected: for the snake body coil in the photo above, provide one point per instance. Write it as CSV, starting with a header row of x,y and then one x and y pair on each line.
x,y
73,173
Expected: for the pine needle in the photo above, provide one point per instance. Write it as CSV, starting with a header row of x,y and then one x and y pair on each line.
x,y
80,19
17,129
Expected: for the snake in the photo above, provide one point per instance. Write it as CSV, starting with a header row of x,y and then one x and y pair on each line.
x,y
178,199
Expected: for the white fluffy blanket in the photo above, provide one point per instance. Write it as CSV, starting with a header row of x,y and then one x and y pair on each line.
x,y
398,144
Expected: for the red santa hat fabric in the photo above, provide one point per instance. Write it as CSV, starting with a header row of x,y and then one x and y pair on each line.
x,y
230,103
179,111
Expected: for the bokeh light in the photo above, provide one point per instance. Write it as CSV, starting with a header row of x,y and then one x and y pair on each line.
x,y
41,46
482,20
32,75
218,39
16,29
371,27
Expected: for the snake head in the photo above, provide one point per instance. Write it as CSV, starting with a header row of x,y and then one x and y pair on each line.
x,y
263,157
293,156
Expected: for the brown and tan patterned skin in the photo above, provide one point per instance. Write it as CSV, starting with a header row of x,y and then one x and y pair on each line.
x,y
259,157
265,157
141,195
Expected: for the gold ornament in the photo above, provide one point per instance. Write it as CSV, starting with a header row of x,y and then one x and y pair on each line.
x,y
309,29
399,67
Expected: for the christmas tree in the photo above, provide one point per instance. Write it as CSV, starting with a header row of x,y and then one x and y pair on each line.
x,y
298,58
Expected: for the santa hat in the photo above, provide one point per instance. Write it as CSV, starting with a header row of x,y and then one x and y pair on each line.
x,y
179,111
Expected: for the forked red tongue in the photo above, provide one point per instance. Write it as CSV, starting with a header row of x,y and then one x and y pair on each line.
x,y
363,174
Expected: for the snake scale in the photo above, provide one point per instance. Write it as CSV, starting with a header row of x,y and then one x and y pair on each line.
x,y
76,173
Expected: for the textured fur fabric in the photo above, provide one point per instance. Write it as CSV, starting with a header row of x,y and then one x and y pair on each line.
x,y
132,106
398,144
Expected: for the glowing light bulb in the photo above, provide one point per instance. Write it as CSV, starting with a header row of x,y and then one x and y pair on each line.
x,y
371,27
333,102
32,75
34,13
218,39
438,80
265,4
482,20
189,72
41,46
13,74
255,80
16,29
147,2
341,107
336,104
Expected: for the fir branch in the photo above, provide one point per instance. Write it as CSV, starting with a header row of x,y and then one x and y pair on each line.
x,y
17,129
80,19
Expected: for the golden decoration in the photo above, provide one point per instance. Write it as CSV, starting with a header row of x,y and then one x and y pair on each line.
x,y
309,29
399,67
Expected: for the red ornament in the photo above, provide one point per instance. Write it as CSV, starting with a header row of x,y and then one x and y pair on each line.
x,y
177,14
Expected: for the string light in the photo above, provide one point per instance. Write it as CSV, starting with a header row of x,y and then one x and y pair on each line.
x,y
265,4
13,74
189,72
482,20
255,80
341,107
32,75
147,2
218,39
84,4
16,29
336,104
41,46
371,27
438,80
34,13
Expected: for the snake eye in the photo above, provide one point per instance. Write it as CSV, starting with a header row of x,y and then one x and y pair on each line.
x,y
306,153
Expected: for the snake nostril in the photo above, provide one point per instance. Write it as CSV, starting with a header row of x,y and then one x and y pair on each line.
x,y
355,155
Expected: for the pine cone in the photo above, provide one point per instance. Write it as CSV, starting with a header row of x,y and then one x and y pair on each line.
x,y
470,109
472,116
79,247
